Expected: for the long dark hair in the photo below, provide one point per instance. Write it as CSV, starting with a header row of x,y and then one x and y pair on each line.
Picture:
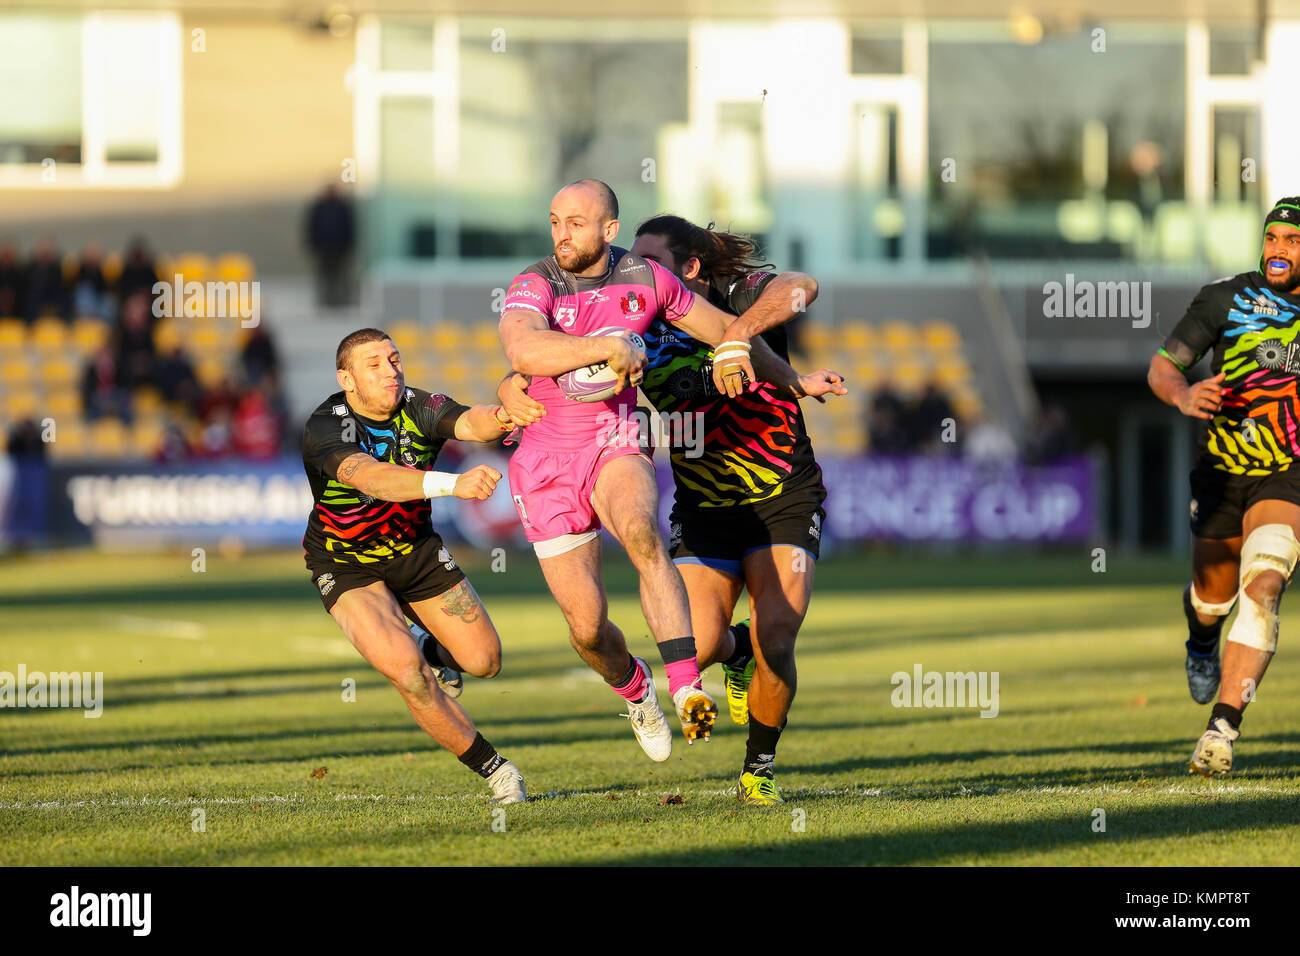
x,y
722,255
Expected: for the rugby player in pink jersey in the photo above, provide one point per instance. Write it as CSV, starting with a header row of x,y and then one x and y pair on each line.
x,y
580,466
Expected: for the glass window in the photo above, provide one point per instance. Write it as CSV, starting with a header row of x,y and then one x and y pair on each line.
x,y
405,46
1034,127
40,89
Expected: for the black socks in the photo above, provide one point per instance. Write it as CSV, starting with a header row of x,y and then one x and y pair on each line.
x,y
760,748
744,647
1202,641
481,757
1225,710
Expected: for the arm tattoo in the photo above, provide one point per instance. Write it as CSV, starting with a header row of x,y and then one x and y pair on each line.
x,y
348,467
461,602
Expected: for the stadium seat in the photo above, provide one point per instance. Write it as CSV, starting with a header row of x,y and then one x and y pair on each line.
x,y
147,401
486,335
146,436
816,337
952,373
59,370
898,335
70,265
16,372
205,339
13,334
940,335
166,336
405,334
447,337
855,334
112,267
20,405
48,334
192,267
63,404
89,334
70,440
108,439
235,267
210,371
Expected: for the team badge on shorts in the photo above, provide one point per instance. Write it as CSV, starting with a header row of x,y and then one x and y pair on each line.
x,y
816,528
326,583
674,534
445,557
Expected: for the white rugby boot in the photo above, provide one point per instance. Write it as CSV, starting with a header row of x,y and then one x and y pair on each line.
x,y
449,679
648,721
507,785
1213,754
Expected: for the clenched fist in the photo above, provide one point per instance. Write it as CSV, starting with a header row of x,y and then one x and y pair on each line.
x,y
479,482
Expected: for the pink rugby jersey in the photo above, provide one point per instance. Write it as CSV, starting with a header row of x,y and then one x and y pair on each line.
x,y
631,294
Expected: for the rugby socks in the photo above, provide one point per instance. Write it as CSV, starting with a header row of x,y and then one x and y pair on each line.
x,y
1232,714
744,647
680,663
1202,641
633,685
760,748
481,757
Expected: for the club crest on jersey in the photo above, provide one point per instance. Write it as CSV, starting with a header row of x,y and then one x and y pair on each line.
x,y
633,303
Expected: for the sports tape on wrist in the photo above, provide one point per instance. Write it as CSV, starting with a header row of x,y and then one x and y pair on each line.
x,y
439,484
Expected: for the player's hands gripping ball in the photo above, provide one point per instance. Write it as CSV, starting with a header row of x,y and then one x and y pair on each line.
x,y
479,482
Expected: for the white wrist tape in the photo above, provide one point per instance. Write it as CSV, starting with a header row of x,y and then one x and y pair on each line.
x,y
738,344
718,357
439,484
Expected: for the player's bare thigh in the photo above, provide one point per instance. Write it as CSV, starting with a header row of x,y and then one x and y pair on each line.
x,y
460,623
575,583
780,582
374,623
713,595
626,499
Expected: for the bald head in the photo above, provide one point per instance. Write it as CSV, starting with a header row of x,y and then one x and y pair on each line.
x,y
594,194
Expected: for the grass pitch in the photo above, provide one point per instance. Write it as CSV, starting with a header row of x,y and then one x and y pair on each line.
x,y
223,693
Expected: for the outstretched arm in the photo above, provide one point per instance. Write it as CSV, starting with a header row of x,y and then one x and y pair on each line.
x,y
389,482
483,423
781,300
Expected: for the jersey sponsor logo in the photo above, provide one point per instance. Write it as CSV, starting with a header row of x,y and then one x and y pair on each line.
x,y
340,409
596,295
519,284
1263,306
565,316
445,557
633,303
816,529
326,583
516,293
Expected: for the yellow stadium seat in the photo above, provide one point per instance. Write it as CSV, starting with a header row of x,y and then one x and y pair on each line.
x,y
63,404
166,336
205,339
967,404
108,438
941,335
855,333
112,267
146,436
952,373
898,335
405,334
235,267
817,337
147,401
13,334
48,333
20,406
69,439
70,265
447,337
89,334
486,335
16,372
210,372
192,267
59,370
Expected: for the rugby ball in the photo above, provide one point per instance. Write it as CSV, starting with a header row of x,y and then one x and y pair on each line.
x,y
595,383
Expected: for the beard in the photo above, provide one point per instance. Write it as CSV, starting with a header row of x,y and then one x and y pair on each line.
x,y
1285,283
383,400
582,257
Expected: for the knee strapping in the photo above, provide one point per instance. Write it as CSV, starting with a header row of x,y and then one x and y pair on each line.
x,y
1270,547
1204,607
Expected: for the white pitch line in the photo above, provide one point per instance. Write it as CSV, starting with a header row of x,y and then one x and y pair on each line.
x,y
158,627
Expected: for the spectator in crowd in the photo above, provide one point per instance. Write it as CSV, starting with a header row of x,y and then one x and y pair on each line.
x,y
102,395
138,271
222,399
13,282
985,442
90,292
176,379
1052,438
173,446
133,341
255,432
926,420
886,431
331,235
215,440
46,294
259,357
25,440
